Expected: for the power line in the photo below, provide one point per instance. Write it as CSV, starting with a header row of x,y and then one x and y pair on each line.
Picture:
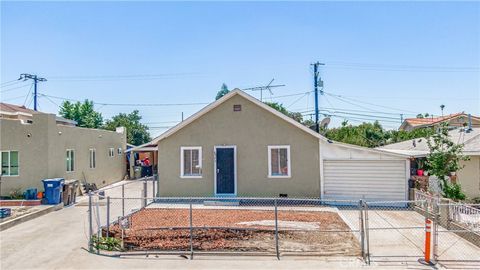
x,y
407,68
368,103
9,83
11,89
133,104
121,77
28,94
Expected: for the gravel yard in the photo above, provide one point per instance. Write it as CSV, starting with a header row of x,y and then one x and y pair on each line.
x,y
318,232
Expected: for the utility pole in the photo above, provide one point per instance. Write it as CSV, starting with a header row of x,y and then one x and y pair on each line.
x,y
317,82
35,79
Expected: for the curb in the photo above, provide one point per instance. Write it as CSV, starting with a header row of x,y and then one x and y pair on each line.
x,y
10,223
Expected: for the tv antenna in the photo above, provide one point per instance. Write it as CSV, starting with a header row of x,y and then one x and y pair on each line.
x,y
268,87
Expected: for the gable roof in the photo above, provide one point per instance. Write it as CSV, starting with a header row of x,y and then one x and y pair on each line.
x,y
417,122
221,100
259,103
418,147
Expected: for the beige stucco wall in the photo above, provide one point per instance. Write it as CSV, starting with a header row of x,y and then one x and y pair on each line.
x,y
42,155
469,177
251,130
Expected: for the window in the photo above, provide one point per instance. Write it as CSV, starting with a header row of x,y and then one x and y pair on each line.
x,y
70,160
93,158
119,151
9,161
191,162
279,161
111,152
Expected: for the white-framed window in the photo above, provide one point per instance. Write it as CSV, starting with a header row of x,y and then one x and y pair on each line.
x,y
70,159
191,162
93,158
279,161
111,152
10,164
119,151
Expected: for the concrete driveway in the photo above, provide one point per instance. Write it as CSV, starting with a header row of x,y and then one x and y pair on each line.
x,y
58,241
399,236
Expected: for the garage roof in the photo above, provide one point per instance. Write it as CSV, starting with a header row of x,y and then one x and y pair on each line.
x,y
419,147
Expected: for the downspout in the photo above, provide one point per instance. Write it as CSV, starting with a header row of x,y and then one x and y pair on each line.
x,y
320,179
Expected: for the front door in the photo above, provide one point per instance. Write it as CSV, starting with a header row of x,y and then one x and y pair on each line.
x,y
225,171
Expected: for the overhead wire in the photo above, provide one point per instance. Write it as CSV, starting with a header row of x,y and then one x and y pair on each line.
x,y
26,97
14,88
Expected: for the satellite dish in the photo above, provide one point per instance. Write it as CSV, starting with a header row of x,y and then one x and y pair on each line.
x,y
325,122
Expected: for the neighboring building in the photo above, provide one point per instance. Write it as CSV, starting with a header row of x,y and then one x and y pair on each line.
x,y
239,146
453,120
469,176
36,145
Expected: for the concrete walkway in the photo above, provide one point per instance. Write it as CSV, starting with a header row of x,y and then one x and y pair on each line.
x,y
58,241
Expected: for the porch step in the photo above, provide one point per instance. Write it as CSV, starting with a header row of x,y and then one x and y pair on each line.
x,y
222,203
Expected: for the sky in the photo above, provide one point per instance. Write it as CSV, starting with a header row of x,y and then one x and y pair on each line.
x,y
383,60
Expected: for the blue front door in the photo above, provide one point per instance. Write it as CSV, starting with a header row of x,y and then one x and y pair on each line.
x,y
225,165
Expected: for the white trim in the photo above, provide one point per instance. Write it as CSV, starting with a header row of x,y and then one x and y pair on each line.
x,y
270,147
322,182
10,163
94,151
199,148
74,158
234,171
407,177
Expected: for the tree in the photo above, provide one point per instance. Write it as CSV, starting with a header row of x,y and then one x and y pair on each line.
x,y
137,133
223,91
279,107
443,159
83,113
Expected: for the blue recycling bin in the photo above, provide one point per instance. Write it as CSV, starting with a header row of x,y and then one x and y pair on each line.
x,y
30,194
53,190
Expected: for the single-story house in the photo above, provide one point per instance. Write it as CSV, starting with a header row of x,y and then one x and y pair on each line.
x,y
455,120
469,176
36,145
239,146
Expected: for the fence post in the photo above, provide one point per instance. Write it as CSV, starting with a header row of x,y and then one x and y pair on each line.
x,y
367,233
90,222
361,227
144,193
153,188
191,231
276,230
123,200
108,216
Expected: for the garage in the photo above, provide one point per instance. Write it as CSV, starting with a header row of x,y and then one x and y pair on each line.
x,y
372,180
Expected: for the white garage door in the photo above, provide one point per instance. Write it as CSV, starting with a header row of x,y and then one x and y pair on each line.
x,y
372,180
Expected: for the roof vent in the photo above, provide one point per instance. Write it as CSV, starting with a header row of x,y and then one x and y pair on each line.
x,y
237,107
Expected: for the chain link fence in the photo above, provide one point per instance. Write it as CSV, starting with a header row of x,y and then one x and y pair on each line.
x,y
280,226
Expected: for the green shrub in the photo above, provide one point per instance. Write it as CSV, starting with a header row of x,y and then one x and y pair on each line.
x,y
454,192
107,243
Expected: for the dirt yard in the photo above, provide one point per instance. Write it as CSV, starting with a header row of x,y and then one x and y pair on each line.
x,y
323,232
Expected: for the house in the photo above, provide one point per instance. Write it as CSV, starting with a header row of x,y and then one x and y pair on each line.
x,y
36,146
239,146
469,176
454,120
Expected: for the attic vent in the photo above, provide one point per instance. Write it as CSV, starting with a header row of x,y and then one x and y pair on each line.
x,y
237,107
